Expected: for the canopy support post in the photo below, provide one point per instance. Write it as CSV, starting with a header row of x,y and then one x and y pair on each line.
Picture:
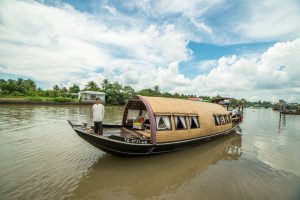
x,y
151,119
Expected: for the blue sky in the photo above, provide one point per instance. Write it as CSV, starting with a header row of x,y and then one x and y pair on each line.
x,y
232,48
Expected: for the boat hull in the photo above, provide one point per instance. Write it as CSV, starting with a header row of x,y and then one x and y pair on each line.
x,y
122,148
290,112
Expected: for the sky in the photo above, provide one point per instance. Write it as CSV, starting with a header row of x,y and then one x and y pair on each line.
x,y
242,49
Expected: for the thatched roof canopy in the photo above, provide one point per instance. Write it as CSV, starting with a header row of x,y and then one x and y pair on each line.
x,y
173,106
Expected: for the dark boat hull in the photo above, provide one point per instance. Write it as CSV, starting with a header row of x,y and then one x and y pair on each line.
x,y
291,112
122,148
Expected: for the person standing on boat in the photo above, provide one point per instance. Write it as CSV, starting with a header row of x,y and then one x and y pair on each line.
x,y
98,116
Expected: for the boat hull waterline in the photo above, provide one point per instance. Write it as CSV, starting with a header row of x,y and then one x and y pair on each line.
x,y
123,148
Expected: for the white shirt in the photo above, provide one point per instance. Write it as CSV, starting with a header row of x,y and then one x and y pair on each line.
x,y
98,112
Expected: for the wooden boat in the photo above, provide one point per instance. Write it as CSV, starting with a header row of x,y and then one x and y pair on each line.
x,y
277,106
153,125
290,112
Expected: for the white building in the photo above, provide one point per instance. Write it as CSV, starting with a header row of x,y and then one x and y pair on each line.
x,y
91,96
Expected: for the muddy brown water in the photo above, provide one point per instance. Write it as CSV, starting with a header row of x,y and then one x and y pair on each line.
x,y
41,157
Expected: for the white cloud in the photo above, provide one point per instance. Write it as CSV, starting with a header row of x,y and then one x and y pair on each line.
x,y
226,22
261,76
201,26
272,20
61,45
160,8
111,9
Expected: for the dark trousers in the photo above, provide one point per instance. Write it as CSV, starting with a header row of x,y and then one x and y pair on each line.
x,y
98,128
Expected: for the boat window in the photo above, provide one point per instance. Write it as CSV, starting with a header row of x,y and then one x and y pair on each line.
x,y
222,119
194,121
227,119
180,122
163,122
217,120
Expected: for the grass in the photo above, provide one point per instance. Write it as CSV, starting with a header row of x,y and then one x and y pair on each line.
x,y
37,98
62,99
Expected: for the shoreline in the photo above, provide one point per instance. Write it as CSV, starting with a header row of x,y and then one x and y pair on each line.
x,y
22,101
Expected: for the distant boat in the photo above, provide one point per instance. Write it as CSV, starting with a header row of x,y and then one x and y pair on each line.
x,y
276,107
154,125
290,112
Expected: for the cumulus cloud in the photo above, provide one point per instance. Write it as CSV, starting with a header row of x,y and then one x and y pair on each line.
x,y
275,20
59,44
226,22
164,7
111,9
275,72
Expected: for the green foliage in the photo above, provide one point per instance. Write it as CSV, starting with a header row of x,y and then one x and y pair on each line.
x,y
15,87
74,88
16,93
206,98
35,98
56,88
62,99
148,92
91,86
156,89
58,91
115,93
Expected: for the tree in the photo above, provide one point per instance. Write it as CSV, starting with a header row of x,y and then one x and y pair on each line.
x,y
104,84
29,86
55,92
12,86
259,103
74,88
233,102
167,94
147,92
114,94
63,91
156,89
92,86
128,92
56,88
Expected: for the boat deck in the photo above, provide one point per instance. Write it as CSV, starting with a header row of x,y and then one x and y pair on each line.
x,y
118,131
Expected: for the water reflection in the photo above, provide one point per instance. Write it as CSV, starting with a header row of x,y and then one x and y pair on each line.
x,y
138,178
282,122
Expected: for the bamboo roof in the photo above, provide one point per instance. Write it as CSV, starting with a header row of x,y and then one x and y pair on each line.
x,y
173,106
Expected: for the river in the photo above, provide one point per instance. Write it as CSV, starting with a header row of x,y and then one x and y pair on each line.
x,y
41,157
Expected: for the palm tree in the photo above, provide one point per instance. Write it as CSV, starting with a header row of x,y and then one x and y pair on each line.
x,y
74,88
56,88
91,85
156,89
104,84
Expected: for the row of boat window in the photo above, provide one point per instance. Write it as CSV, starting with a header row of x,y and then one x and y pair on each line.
x,y
163,122
222,119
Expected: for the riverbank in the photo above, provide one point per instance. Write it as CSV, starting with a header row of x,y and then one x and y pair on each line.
x,y
42,101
